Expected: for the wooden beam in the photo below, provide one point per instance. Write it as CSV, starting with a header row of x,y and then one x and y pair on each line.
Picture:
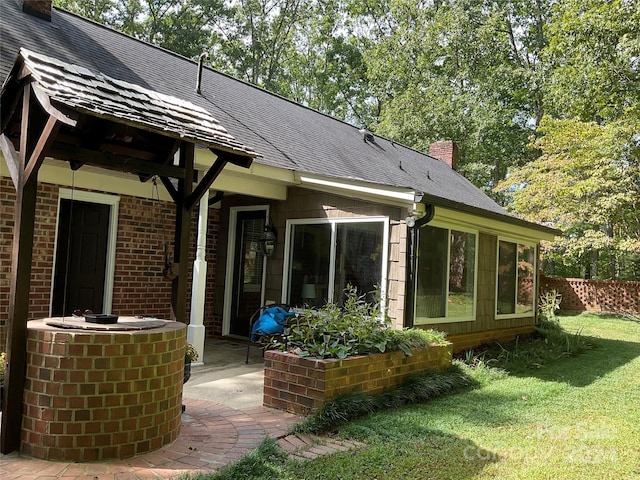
x,y
66,116
113,161
24,127
167,161
170,188
239,160
47,137
8,109
23,229
206,182
182,234
13,161
128,152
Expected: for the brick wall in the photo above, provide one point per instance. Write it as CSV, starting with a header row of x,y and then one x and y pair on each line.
x,y
139,287
301,385
98,395
43,245
594,295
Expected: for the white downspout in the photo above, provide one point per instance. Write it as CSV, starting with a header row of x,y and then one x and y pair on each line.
x,y
196,330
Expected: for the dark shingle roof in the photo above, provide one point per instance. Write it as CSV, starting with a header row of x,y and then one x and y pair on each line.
x,y
286,135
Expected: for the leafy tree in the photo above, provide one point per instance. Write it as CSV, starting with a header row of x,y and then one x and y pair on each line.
x,y
586,179
328,72
464,70
183,26
101,11
587,183
259,39
543,91
594,59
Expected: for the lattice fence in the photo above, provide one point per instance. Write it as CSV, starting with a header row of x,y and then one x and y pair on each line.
x,y
595,295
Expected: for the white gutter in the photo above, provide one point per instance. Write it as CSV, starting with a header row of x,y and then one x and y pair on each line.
x,y
400,196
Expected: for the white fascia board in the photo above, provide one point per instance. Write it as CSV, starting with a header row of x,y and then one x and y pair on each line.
x,y
397,196
244,184
204,159
257,180
491,226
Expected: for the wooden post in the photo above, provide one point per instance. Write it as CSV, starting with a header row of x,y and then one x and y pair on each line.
x,y
182,234
24,167
23,229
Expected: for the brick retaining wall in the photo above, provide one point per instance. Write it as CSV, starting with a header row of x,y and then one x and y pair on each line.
x,y
301,385
594,295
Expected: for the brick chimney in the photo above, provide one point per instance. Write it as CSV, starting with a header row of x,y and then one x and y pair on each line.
x,y
445,150
37,8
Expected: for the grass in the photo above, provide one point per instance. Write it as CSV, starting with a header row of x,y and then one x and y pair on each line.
x,y
263,463
538,417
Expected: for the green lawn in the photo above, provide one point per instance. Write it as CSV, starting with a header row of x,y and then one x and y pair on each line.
x,y
576,418
572,418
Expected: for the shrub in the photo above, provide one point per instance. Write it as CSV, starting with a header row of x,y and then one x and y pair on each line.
x,y
190,353
415,389
549,305
356,328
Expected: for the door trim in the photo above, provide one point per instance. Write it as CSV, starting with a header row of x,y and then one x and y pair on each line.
x,y
231,251
91,197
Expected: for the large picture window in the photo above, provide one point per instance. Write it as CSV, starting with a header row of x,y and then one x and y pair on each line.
x,y
445,275
516,286
325,256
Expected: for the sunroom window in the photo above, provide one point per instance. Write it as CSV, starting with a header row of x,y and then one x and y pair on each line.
x,y
516,279
325,256
445,275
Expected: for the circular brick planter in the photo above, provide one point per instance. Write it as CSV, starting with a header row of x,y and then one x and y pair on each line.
x,y
95,395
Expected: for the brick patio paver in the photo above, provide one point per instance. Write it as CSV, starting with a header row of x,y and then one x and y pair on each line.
x,y
212,435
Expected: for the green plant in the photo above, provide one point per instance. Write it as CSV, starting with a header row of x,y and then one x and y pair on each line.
x,y
355,328
550,305
266,462
418,337
415,389
190,354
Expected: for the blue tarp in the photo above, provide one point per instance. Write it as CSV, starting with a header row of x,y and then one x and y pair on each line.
x,y
271,321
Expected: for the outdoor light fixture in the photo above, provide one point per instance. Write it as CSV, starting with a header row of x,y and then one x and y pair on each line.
x,y
268,240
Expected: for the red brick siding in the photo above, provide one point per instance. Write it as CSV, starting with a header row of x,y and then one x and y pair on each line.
x,y
100,395
43,245
301,385
139,287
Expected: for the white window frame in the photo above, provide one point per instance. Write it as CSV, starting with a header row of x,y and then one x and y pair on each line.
x,y
446,319
525,243
112,201
334,222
